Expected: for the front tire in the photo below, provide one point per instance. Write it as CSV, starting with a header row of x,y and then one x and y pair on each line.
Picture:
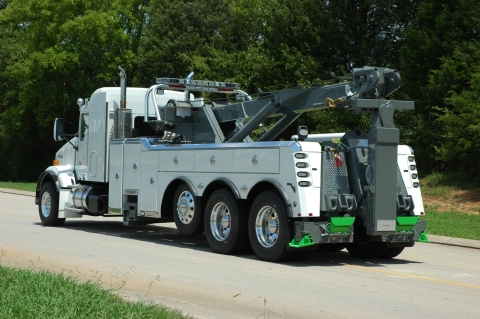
x,y
225,223
187,212
48,206
268,228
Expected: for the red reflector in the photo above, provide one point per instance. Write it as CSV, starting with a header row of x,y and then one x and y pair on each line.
x,y
310,214
422,213
225,89
299,214
177,86
338,161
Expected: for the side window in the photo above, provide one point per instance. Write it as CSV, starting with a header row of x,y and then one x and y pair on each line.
x,y
84,126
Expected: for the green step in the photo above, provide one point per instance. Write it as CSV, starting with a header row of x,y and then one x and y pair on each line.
x,y
340,224
406,223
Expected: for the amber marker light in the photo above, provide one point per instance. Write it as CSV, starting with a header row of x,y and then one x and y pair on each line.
x,y
56,163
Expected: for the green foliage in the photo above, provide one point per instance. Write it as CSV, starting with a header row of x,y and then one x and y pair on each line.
x,y
460,122
57,51
29,294
53,52
437,61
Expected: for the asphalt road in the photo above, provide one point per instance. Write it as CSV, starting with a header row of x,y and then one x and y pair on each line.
x,y
156,263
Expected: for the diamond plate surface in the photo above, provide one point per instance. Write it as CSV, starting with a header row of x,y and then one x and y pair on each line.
x,y
335,178
400,184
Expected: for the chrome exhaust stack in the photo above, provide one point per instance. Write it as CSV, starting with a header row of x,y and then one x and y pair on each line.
x,y
123,116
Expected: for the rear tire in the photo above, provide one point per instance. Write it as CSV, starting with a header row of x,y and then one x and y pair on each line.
x,y
370,250
393,252
48,206
331,248
363,245
187,212
268,228
225,223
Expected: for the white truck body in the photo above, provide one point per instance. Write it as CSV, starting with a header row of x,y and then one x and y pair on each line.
x,y
354,189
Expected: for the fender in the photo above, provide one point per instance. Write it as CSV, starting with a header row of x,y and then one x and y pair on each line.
x,y
282,193
62,176
232,186
189,184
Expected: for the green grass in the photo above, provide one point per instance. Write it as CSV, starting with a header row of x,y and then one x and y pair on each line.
x,y
39,294
453,224
31,187
439,184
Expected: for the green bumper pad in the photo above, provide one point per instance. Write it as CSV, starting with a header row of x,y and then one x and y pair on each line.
x,y
340,224
304,242
423,237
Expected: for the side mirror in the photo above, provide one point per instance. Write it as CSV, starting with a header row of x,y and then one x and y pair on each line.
x,y
58,130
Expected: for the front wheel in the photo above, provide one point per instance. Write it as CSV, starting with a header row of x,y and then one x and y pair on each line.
x,y
48,206
225,223
268,228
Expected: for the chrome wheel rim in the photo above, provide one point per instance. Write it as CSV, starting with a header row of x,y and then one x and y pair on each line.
x,y
186,207
267,226
46,204
220,221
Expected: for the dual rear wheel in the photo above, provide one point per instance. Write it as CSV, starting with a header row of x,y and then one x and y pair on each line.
x,y
228,230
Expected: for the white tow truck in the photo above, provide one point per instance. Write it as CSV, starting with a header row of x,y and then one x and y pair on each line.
x,y
158,154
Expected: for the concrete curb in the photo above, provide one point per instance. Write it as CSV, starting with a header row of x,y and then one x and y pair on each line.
x,y
461,242
17,192
434,239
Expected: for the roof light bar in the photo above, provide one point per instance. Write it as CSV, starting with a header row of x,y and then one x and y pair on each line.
x,y
199,84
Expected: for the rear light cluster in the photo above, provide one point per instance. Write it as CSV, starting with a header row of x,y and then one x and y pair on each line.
x,y
302,174
413,167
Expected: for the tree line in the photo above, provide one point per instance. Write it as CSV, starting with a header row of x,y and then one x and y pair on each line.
x,y
52,52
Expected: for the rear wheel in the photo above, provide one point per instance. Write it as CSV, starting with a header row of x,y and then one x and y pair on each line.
x,y
363,245
48,206
393,252
370,250
331,248
268,228
187,212
225,223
